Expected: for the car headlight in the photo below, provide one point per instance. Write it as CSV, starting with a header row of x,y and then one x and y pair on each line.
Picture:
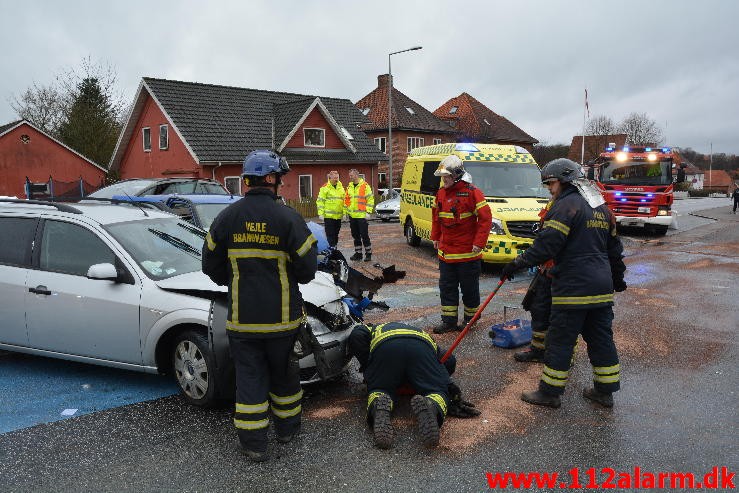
x,y
497,227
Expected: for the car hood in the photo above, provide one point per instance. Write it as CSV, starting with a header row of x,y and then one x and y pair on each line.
x,y
389,204
517,209
194,283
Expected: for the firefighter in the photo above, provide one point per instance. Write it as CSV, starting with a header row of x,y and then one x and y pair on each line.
x,y
393,354
588,267
461,222
330,204
538,302
358,203
261,249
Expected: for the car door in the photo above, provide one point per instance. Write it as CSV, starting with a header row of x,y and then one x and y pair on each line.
x,y
15,260
68,313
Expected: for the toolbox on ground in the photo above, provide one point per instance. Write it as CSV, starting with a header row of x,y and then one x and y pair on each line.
x,y
511,333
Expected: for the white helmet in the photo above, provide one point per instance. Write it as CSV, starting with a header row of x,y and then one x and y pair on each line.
x,y
451,166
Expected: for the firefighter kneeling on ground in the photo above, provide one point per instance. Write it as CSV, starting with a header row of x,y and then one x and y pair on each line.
x,y
393,354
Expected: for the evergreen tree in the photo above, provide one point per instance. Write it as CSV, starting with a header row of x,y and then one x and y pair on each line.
x,y
91,126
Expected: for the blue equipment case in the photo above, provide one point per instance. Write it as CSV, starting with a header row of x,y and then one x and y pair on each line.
x,y
511,333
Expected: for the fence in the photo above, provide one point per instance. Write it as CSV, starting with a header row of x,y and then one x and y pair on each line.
x,y
56,189
307,207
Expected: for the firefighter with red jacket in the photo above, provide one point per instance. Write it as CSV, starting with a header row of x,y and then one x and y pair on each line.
x,y
461,222
588,268
261,249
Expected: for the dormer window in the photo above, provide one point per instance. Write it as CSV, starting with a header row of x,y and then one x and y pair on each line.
x,y
453,110
366,111
314,137
410,110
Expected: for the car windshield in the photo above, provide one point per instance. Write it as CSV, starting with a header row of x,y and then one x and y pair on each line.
x,y
208,212
162,247
131,188
636,173
506,179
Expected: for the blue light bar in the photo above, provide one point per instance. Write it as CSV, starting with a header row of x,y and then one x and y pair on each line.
x,y
609,149
464,147
665,149
648,149
618,194
625,149
650,195
623,200
643,200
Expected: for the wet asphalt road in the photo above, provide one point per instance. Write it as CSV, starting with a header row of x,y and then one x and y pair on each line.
x,y
678,411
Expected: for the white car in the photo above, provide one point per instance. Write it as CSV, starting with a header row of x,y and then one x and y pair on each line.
x,y
389,210
122,286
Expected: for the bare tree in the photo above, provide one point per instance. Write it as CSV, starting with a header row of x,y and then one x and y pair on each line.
x,y
600,125
41,105
640,129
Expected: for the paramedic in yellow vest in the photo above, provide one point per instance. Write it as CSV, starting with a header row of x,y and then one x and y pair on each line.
x,y
358,203
330,204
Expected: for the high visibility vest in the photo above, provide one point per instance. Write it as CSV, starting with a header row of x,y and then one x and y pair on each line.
x,y
358,200
330,201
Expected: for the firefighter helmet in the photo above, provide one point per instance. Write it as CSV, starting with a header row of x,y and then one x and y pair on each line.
x,y
561,169
451,166
264,162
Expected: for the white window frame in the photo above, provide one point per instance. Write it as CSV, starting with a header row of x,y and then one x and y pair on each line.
x,y
418,141
166,137
238,180
381,177
143,139
382,140
437,141
305,142
310,186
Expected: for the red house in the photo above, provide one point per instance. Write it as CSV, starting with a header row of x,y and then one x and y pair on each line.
x,y
202,130
413,125
28,152
472,121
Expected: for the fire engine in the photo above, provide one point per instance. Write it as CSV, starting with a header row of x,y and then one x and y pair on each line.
x,y
636,183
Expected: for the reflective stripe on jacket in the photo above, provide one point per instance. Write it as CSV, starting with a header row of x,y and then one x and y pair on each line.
x,y
330,200
461,218
261,250
358,200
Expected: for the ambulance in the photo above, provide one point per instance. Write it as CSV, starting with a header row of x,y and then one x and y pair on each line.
x,y
508,177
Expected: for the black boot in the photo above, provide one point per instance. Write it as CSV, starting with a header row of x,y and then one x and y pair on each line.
x,y
445,327
605,399
529,355
367,257
356,256
382,427
426,419
540,398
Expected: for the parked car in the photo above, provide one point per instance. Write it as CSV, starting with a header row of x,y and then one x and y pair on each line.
x,y
160,186
389,210
386,194
119,285
199,210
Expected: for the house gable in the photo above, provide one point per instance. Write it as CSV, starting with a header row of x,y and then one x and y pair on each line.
x,y
316,116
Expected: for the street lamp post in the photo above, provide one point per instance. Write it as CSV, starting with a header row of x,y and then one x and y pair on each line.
x,y
389,143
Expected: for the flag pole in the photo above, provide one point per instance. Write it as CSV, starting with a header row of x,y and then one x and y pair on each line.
x,y
585,108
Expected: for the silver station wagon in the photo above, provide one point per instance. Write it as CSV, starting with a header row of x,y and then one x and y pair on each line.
x,y
121,285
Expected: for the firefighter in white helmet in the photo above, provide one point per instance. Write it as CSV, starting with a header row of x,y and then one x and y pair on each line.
x,y
459,229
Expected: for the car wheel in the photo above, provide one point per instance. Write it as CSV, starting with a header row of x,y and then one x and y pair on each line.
x,y
410,234
193,366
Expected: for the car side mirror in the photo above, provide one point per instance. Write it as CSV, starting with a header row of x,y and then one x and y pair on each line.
x,y
103,272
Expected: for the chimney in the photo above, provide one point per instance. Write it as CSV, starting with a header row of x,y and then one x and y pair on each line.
x,y
382,80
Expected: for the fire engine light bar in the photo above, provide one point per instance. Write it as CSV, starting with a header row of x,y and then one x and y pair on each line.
x,y
650,195
618,194
625,149
643,200
665,149
623,200
610,149
648,149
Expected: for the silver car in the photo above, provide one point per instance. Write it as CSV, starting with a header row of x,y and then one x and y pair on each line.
x,y
122,286
389,210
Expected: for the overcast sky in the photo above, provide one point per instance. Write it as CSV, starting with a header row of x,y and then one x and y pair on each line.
x,y
675,60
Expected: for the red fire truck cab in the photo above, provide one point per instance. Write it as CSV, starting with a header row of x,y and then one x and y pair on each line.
x,y
636,183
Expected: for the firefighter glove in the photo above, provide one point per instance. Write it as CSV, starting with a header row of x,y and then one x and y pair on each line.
x,y
508,270
462,409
